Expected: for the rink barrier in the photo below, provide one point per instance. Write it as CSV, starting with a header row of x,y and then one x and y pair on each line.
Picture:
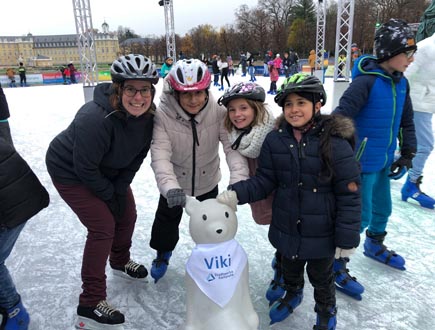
x,y
34,79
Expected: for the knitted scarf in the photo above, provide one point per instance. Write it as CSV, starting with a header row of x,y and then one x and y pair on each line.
x,y
250,143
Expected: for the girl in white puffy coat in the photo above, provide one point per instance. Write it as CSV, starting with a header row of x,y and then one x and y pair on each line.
x,y
188,126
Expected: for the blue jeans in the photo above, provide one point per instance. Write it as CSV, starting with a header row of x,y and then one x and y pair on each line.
x,y
265,70
8,294
425,143
251,71
376,201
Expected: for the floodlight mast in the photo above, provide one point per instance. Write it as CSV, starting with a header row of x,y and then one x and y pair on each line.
x,y
169,25
343,38
85,42
320,38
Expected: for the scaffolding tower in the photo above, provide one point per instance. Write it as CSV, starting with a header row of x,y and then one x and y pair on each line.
x,y
320,38
169,25
86,44
343,39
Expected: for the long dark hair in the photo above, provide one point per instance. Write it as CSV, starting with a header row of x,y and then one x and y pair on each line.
x,y
329,130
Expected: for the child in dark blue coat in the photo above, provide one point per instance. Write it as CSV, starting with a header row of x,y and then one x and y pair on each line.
x,y
309,162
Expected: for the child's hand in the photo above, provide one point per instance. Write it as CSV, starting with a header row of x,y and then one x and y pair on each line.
x,y
343,253
228,197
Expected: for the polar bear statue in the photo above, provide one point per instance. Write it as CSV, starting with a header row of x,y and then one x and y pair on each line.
x,y
217,274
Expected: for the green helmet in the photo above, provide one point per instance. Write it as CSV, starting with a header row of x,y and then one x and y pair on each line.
x,y
301,83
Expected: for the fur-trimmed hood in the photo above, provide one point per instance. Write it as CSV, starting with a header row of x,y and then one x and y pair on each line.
x,y
334,125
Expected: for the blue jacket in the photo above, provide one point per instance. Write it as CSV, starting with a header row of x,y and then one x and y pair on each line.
x,y
380,106
311,215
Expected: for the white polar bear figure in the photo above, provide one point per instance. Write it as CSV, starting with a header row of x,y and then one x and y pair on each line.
x,y
217,273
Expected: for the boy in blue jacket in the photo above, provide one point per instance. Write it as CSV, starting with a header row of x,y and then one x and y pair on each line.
x,y
379,103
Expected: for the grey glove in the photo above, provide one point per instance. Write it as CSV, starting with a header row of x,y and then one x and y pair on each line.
x,y
176,197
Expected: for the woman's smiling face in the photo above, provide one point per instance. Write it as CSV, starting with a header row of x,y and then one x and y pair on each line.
x,y
140,102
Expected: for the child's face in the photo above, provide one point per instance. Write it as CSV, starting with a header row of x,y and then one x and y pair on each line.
x,y
240,113
193,101
298,111
399,62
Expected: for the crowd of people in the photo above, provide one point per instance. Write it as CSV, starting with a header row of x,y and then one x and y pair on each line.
x,y
318,181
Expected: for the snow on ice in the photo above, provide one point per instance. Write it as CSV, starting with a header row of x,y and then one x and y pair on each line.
x,y
46,261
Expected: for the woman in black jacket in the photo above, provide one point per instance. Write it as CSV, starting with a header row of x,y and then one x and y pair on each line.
x,y
21,197
309,163
92,164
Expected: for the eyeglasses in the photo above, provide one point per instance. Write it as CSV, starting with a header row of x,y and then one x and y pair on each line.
x,y
410,53
131,91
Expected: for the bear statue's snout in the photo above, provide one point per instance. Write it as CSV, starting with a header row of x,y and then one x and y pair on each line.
x,y
219,231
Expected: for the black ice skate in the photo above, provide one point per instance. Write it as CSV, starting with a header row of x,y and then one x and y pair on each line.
x,y
101,317
132,270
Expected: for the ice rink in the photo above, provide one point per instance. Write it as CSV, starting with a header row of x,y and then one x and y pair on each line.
x,y
45,263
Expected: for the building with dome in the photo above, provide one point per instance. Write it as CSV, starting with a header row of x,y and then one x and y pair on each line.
x,y
54,50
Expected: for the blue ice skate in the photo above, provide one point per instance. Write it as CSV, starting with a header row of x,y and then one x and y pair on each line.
x,y
326,318
344,282
276,289
412,190
374,248
284,306
15,318
160,265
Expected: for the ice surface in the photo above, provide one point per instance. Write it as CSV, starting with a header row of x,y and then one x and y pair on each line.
x,y
46,260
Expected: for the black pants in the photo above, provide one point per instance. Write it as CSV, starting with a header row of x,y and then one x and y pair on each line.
x,y
320,273
224,75
272,86
165,234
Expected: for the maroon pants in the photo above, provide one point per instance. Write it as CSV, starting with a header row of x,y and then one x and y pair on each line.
x,y
106,238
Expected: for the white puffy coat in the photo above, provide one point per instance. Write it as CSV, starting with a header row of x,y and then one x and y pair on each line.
x,y
172,153
421,75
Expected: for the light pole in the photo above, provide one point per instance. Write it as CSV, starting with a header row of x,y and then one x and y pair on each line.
x,y
169,26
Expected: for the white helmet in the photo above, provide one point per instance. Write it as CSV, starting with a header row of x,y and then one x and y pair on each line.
x,y
134,67
189,75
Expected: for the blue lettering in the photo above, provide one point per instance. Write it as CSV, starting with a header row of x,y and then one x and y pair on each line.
x,y
219,262
223,262
209,265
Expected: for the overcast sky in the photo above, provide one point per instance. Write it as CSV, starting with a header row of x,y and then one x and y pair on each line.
x,y
145,17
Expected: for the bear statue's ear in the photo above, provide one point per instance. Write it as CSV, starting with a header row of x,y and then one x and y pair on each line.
x,y
191,204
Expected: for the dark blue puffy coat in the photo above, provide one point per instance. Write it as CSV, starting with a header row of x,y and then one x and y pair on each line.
x,y
311,215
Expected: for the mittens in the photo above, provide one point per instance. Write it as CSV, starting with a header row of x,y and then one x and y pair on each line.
x,y
176,197
228,197
343,253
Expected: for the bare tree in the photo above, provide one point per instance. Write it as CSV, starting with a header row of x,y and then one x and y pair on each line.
x,y
281,16
255,25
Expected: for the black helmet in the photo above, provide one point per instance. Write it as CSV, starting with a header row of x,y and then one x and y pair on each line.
x,y
392,38
246,90
301,83
135,67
